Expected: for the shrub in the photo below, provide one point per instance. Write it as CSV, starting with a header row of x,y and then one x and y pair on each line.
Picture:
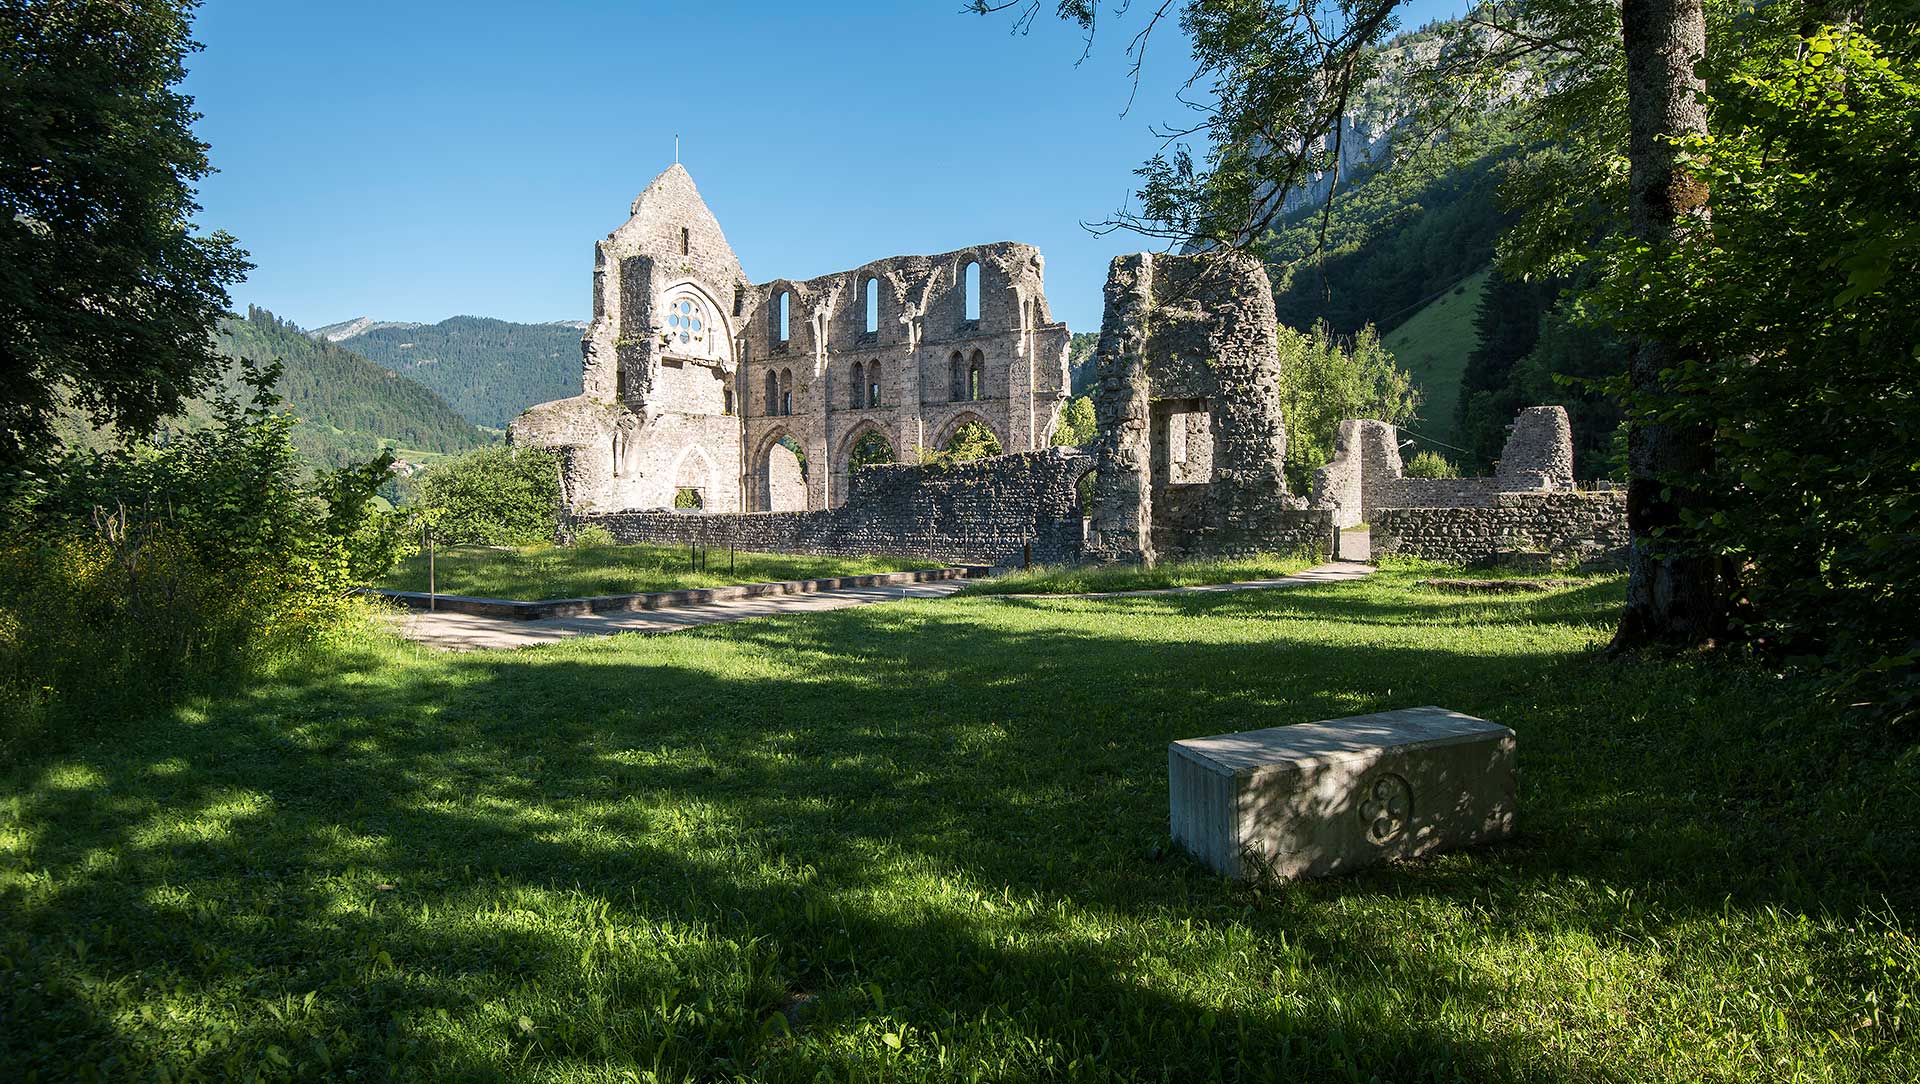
x,y
495,496
133,578
592,535
1431,465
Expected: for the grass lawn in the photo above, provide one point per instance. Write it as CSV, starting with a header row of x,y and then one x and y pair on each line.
x,y
927,841
531,573
1432,346
1081,579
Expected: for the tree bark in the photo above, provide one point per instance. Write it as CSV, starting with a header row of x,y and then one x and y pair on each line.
x,y
1673,596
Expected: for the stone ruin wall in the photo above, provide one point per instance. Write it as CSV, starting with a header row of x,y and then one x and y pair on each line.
x,y
658,413
983,512
1582,528
1529,505
1192,446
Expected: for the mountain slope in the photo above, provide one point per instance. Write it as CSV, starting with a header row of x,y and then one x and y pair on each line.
x,y
1432,346
349,407
488,370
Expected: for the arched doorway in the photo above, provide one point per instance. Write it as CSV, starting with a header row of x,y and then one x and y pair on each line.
x,y
779,475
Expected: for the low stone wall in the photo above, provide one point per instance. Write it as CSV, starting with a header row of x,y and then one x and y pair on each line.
x,y
1436,493
984,512
1577,528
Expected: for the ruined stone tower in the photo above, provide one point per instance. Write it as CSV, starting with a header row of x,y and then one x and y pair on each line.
x,y
700,385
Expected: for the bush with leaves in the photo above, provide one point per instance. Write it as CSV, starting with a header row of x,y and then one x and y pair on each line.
x,y
1327,378
496,496
1078,426
133,577
1798,296
1431,464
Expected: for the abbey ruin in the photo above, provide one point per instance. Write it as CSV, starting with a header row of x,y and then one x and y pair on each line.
x,y
720,411
704,389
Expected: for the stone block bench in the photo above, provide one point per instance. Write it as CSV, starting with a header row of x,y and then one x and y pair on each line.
x,y
1324,798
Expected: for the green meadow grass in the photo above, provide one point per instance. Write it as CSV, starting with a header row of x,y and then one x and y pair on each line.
x,y
1432,346
927,841
1081,579
532,573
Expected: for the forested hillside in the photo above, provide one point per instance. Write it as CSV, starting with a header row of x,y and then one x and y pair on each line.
x,y
349,407
488,370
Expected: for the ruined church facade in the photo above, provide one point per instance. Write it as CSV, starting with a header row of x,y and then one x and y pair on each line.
x,y
701,387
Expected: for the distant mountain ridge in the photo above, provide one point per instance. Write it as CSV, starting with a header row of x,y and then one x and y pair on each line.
x,y
489,370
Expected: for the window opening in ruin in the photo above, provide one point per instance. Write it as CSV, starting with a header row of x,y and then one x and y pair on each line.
x,y
781,321
739,300
856,386
726,402
870,450
972,440
956,377
1181,431
977,377
873,305
873,384
773,394
973,290
786,391
686,240
690,328
688,497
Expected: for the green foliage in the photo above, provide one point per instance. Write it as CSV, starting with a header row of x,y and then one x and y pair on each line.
x,y
488,370
1430,464
1078,426
1325,379
1798,302
594,565
496,496
1393,245
970,441
686,497
349,407
107,293
592,536
135,577
871,450
758,851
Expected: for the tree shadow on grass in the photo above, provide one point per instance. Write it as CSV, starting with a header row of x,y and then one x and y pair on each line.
x,y
949,828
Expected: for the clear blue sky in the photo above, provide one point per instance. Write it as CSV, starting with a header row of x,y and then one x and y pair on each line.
x,y
419,159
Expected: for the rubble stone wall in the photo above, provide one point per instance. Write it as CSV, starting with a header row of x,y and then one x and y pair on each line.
x,y
1584,528
983,512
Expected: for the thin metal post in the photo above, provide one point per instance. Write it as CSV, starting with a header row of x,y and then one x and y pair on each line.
x,y
433,587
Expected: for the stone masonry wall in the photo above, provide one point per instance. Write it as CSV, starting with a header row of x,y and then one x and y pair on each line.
x,y
1575,528
1192,337
983,512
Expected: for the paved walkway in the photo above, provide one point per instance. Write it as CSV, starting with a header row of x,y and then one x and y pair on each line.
x,y
1334,572
461,632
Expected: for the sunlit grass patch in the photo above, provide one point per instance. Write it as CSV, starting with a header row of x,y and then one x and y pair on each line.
x,y
1081,579
927,841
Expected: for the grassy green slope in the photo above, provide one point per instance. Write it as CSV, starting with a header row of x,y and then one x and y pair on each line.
x,y
1432,345
928,841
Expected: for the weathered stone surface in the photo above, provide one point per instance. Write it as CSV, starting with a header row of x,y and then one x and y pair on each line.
x,y
1586,529
1528,511
710,396
984,512
1192,445
1328,797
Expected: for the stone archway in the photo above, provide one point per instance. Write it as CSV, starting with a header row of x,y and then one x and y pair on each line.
x,y
867,443
777,479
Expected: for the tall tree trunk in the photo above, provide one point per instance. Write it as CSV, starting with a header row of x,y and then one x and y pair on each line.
x,y
1671,597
